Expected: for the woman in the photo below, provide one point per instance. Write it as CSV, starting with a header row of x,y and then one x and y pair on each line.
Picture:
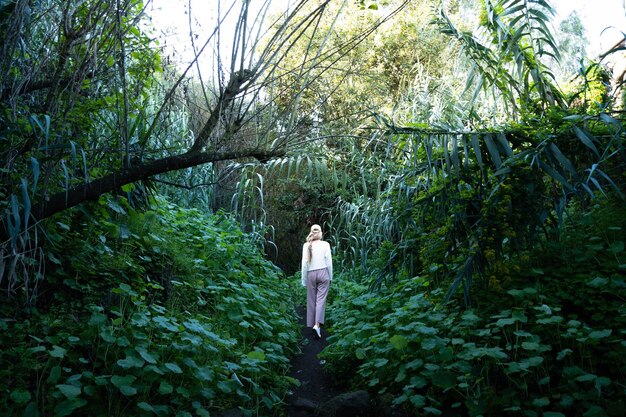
x,y
317,272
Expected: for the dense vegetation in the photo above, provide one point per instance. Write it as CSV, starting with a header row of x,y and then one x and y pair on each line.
x,y
545,336
466,162
166,311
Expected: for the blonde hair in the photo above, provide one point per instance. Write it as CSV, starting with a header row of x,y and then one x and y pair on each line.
x,y
314,234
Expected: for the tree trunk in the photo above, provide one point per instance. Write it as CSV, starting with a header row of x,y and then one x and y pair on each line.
x,y
94,189
91,191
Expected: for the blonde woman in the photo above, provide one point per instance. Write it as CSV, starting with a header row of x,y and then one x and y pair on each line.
x,y
317,272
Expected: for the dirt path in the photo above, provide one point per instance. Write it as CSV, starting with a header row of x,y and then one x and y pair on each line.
x,y
316,386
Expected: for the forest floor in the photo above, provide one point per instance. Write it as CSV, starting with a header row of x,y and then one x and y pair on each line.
x,y
316,386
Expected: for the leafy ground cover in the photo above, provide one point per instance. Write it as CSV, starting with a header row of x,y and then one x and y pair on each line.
x,y
550,342
168,312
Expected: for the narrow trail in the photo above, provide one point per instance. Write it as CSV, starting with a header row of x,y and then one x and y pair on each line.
x,y
316,386
319,395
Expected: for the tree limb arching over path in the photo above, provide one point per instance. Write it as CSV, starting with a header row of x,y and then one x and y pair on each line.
x,y
103,53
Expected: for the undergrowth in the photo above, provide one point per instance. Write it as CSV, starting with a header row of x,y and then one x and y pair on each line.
x,y
551,342
168,312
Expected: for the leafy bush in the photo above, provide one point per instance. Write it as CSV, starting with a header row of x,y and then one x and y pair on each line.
x,y
167,312
550,344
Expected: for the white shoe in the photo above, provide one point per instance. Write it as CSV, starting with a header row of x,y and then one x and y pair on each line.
x,y
318,334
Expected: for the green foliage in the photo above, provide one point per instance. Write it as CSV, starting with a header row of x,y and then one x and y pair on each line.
x,y
551,342
589,92
62,100
456,206
166,312
509,55
173,312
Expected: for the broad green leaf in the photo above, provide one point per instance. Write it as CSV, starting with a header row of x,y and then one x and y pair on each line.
x,y
67,407
165,388
145,406
586,378
256,355
184,392
106,335
398,341
166,323
202,412
493,352
598,282
122,341
541,402
20,396
418,401
120,381
360,353
415,364
380,362
131,361
617,247
518,315
429,344
505,322
426,329
400,399
204,373
562,354
173,368
31,410
523,292
600,334
444,379
97,319
513,367
145,354
530,346
57,352
433,411
225,386
155,369
128,390
70,391
532,361
445,354
418,381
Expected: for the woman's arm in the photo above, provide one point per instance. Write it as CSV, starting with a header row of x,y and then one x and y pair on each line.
x,y
329,260
305,264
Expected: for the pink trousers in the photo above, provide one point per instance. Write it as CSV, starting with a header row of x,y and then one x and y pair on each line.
x,y
318,282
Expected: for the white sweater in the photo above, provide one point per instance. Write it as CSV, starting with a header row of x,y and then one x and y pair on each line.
x,y
320,259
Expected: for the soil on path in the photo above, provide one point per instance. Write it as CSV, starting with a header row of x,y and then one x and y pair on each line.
x,y
316,386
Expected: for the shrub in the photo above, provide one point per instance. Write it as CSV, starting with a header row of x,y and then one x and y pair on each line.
x,y
167,312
